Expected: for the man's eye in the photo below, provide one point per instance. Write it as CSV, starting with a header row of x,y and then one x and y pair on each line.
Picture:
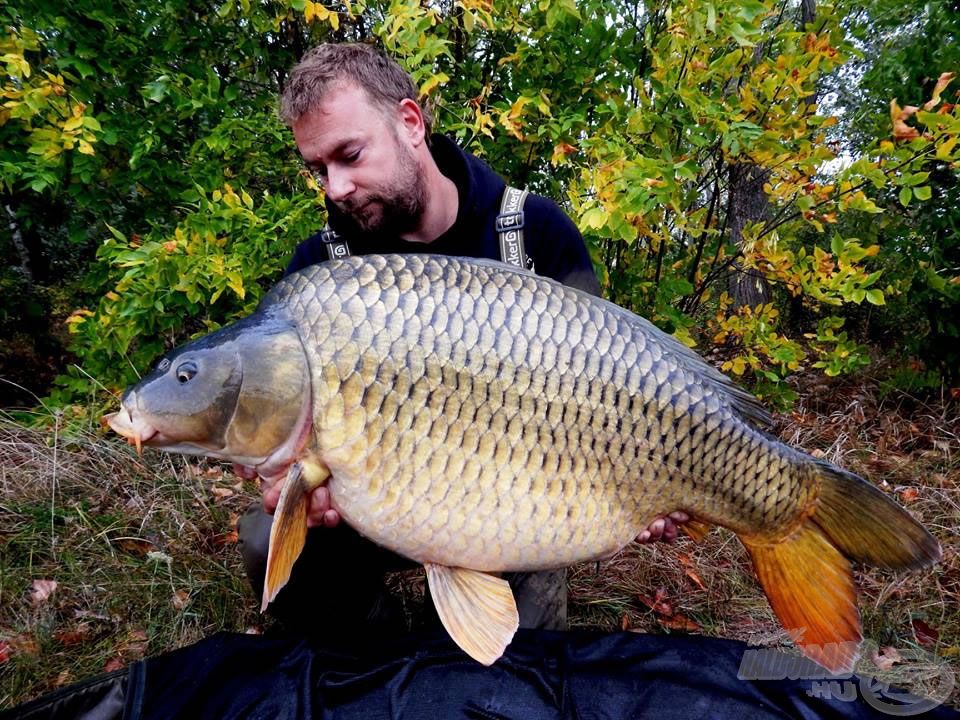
x,y
352,157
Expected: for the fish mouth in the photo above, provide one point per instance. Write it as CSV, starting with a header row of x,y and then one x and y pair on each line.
x,y
133,428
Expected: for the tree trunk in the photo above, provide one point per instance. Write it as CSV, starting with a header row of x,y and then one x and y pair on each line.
x,y
18,244
747,203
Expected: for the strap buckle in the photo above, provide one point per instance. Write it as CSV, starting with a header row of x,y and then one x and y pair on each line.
x,y
328,236
508,221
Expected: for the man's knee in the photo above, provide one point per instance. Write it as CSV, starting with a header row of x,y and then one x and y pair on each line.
x,y
253,538
541,598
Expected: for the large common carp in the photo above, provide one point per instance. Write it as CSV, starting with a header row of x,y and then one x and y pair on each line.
x,y
480,419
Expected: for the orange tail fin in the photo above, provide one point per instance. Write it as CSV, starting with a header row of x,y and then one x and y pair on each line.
x,y
807,574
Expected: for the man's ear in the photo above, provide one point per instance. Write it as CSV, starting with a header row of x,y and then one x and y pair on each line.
x,y
410,117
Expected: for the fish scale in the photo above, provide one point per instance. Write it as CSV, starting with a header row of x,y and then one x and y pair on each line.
x,y
466,321
480,419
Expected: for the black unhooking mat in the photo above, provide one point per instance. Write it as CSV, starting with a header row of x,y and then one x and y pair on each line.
x,y
543,675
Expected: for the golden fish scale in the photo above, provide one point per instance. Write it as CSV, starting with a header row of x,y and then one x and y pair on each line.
x,y
476,416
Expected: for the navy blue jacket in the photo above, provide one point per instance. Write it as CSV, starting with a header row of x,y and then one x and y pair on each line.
x,y
551,239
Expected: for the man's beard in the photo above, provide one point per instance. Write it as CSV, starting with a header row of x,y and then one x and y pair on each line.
x,y
398,209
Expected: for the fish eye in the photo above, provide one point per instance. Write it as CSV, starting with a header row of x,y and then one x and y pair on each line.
x,y
186,371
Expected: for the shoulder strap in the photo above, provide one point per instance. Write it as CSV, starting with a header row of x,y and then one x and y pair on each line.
x,y
510,227
335,246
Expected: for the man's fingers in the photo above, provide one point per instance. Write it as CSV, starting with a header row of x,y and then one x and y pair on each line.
x,y
271,496
656,528
664,528
244,471
320,512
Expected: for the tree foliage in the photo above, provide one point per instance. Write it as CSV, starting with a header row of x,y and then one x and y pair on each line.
x,y
141,152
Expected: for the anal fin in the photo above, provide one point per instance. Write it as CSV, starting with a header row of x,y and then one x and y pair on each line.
x,y
476,608
810,586
288,533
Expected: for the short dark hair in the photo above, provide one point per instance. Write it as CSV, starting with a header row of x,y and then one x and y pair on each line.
x,y
333,63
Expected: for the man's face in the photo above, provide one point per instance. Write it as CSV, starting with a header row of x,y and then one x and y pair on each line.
x,y
360,152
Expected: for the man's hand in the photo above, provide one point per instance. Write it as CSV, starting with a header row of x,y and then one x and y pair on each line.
x,y
319,513
663,528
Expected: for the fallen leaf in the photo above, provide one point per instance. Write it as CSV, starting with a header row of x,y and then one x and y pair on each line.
x,y
64,678
886,658
625,622
679,622
228,538
4,651
73,637
908,495
221,492
24,644
181,598
658,604
41,591
135,546
690,572
925,634
955,393
113,664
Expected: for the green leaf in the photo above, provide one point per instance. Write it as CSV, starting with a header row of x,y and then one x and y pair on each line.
x,y
594,218
905,195
922,193
875,297
836,245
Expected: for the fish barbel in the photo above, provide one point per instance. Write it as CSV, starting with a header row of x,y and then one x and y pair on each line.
x,y
478,419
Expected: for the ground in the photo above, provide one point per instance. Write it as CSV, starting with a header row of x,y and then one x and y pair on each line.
x,y
106,557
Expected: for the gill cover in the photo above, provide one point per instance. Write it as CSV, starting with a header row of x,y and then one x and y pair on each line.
x,y
237,394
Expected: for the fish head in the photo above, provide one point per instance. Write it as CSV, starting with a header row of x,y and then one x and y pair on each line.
x,y
240,394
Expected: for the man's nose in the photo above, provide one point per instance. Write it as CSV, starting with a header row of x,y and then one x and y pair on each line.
x,y
339,184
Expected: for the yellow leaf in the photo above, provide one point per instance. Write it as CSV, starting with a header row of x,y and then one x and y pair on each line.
x,y
86,148
73,123
898,117
433,82
594,218
517,108
334,19
942,83
560,152
110,296
946,147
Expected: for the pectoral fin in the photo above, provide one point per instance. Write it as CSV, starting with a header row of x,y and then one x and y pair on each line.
x,y
289,530
476,608
696,530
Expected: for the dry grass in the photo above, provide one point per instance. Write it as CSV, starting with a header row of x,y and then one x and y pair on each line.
x,y
144,556
140,550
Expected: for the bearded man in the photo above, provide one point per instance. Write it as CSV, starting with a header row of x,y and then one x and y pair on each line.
x,y
393,187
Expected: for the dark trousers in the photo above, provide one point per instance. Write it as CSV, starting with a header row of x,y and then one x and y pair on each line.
x,y
337,587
